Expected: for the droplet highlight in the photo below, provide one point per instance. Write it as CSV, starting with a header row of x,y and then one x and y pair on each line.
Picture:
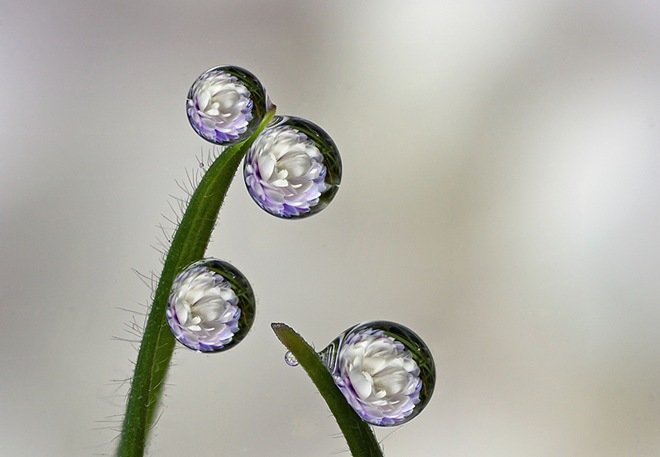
x,y
293,169
226,104
211,306
384,369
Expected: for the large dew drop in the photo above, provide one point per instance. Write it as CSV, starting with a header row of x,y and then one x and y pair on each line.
x,y
293,169
226,104
211,306
385,371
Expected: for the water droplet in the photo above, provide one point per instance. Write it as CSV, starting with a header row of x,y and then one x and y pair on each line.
x,y
226,104
290,359
385,371
293,169
211,306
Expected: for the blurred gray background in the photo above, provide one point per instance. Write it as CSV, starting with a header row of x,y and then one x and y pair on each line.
x,y
501,196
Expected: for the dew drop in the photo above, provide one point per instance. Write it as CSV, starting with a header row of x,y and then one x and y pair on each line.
x,y
226,104
385,371
290,359
293,169
211,306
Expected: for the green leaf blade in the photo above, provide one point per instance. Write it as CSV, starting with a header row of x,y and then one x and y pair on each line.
x,y
359,436
188,245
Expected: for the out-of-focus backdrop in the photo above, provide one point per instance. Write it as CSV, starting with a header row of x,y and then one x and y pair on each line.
x,y
501,197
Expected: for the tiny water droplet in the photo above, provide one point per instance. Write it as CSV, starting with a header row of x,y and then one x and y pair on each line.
x,y
226,104
211,306
384,369
290,359
293,168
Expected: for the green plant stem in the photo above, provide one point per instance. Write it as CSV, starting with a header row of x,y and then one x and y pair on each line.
x,y
188,245
361,440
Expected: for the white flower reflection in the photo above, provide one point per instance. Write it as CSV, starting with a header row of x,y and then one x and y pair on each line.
x,y
378,377
219,107
203,310
284,172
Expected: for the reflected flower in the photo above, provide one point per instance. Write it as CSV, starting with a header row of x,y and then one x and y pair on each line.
x,y
378,377
219,107
203,310
284,172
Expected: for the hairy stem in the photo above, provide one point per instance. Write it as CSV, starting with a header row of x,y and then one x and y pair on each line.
x,y
188,245
361,440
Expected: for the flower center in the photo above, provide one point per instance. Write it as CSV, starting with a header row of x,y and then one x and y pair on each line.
x,y
379,370
290,162
223,98
206,305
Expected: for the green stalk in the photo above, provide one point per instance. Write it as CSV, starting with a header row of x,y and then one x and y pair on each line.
x,y
361,440
188,245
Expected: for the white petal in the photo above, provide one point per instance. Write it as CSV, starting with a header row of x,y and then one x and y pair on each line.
x,y
203,99
361,382
266,165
